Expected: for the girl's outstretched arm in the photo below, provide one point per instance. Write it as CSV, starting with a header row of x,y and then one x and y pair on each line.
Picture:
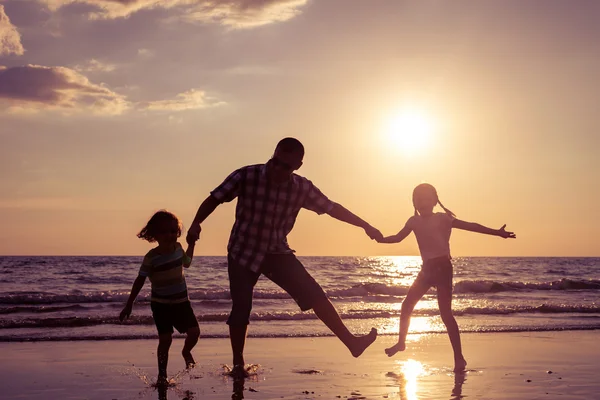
x,y
398,237
474,227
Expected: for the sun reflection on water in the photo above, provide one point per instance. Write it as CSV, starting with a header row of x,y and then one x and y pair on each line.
x,y
407,378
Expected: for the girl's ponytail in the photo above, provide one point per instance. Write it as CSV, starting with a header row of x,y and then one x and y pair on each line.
x,y
450,213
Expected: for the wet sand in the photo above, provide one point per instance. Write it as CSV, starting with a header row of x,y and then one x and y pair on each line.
x,y
531,365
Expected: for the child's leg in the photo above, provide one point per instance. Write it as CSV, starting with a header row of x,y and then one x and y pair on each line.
x,y
190,341
162,353
444,294
416,291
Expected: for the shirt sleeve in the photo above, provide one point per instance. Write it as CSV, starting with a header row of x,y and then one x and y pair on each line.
x,y
230,188
146,267
316,201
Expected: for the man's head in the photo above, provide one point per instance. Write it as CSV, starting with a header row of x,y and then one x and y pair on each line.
x,y
286,159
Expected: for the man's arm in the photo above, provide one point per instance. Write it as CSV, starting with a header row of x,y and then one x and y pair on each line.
x,y
205,209
135,290
474,227
339,212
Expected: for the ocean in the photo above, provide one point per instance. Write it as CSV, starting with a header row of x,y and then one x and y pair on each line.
x,y
79,298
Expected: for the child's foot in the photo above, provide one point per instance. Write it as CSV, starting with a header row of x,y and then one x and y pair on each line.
x,y
362,342
189,360
460,365
400,346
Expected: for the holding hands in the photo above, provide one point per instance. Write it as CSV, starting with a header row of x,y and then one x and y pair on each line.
x,y
193,234
373,233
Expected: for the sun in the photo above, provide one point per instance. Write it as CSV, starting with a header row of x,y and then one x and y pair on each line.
x,y
409,130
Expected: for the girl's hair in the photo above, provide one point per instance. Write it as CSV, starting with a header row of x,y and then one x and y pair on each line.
x,y
151,230
425,189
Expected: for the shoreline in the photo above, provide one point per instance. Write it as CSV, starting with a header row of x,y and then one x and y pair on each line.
x,y
177,335
501,366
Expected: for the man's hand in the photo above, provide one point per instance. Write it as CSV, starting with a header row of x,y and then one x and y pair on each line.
x,y
373,233
193,234
505,234
125,313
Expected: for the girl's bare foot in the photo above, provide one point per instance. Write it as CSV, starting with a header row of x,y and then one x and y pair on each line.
x,y
460,365
361,343
390,351
189,360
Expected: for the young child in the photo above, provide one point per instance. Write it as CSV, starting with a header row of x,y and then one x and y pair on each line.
x,y
432,231
169,302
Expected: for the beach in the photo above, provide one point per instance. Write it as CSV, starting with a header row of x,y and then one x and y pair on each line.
x,y
527,365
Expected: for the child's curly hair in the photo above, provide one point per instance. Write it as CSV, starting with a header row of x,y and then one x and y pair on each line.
x,y
150,231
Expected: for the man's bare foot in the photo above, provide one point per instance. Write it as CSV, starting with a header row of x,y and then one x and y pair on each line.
x,y
362,342
390,351
460,365
189,360
239,371
162,381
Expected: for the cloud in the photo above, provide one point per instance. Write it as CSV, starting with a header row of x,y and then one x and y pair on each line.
x,y
94,65
32,88
35,87
189,100
10,39
232,13
242,14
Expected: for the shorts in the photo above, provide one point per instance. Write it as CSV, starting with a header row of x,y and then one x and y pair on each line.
x,y
282,269
168,316
436,272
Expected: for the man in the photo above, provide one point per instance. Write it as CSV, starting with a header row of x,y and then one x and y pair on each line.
x,y
269,198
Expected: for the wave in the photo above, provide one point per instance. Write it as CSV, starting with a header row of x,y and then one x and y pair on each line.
x,y
486,286
361,290
75,321
482,330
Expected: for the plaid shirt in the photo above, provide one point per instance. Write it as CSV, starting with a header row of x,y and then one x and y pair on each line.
x,y
265,212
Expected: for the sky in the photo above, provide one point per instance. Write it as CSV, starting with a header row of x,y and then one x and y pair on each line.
x,y
111,110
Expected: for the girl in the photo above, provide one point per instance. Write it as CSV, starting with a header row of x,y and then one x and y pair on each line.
x,y
169,299
432,231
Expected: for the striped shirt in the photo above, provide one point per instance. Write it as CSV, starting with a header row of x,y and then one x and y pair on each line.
x,y
266,212
166,275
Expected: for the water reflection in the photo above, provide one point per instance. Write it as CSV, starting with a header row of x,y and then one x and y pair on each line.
x,y
407,380
408,377
459,380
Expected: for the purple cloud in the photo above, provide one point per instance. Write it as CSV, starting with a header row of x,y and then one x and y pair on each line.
x,y
232,13
10,39
35,87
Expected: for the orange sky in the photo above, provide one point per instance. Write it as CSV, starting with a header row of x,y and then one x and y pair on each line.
x,y
108,114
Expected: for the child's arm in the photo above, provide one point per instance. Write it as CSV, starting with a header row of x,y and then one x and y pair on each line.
x,y
398,237
189,253
474,227
135,290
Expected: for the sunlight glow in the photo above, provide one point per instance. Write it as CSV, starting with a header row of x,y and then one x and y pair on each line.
x,y
410,371
410,130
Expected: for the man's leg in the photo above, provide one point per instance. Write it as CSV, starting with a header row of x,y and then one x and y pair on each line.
x,y
327,313
241,286
287,272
